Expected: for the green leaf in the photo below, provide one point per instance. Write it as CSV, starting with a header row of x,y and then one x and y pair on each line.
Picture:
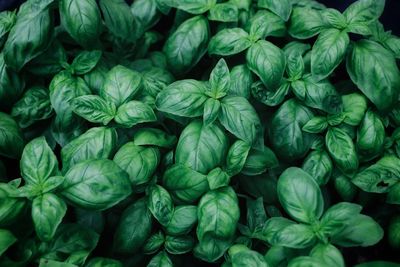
x,y
315,125
38,162
300,195
334,19
82,20
241,81
219,80
7,21
160,204
201,147
229,42
146,12
121,85
282,8
286,136
328,254
295,236
32,107
268,62
341,149
364,11
328,51
242,256
338,216
85,61
258,161
96,184
373,69
6,240
183,98
305,22
124,25
239,118
30,36
212,109
140,162
11,85
96,143
184,184
354,107
133,228
134,112
187,45
177,245
361,231
48,211
183,220
194,7
236,157
154,137
224,12
265,23
153,243
94,109
161,259
379,177
370,136
319,165
103,262
218,178
11,138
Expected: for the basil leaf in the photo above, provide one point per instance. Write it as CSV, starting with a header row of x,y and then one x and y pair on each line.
x,y
7,239
146,12
268,62
305,22
364,11
224,12
133,228
161,259
30,35
341,149
177,245
11,85
48,211
183,220
96,143
241,81
139,162
7,21
154,137
32,107
373,69
280,8
265,23
11,138
134,112
229,42
85,61
187,45
96,184
319,165
160,204
94,109
236,157
328,51
300,195
124,25
201,147
286,136
212,108
121,85
82,20
295,236
194,7
219,80
183,98
239,118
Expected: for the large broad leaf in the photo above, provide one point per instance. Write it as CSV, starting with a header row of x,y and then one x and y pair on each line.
x,y
342,150
11,138
186,46
239,118
268,62
374,70
229,42
48,211
121,85
134,112
140,162
328,51
183,98
184,184
160,204
287,138
94,109
96,143
194,7
124,25
11,85
133,228
305,22
364,11
379,177
30,35
265,23
82,20
282,8
38,162
300,195
96,184
201,147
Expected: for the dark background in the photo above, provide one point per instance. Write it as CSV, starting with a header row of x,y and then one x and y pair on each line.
x,y
390,17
